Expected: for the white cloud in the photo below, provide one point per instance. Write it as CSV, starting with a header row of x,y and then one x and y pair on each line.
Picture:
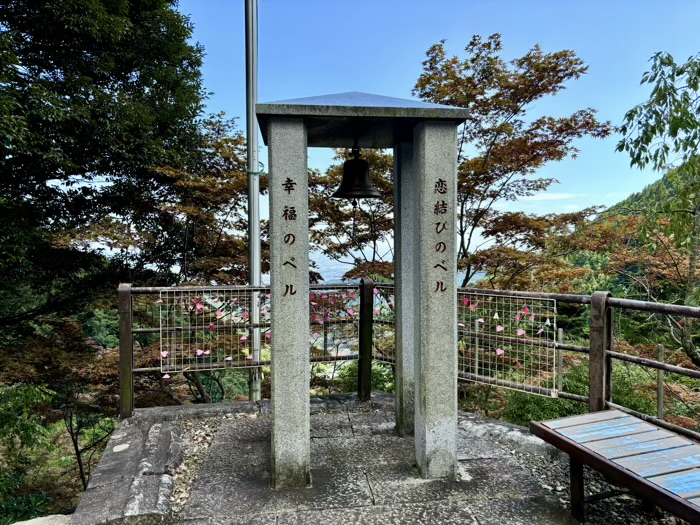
x,y
571,207
552,197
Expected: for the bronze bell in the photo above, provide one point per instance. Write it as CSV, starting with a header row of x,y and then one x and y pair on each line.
x,y
356,183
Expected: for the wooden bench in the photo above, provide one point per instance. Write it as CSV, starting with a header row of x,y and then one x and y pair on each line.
x,y
661,467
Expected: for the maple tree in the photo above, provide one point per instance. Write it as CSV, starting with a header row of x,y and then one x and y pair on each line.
x,y
637,255
532,252
78,382
501,146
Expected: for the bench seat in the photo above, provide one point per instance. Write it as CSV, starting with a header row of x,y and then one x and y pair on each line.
x,y
660,466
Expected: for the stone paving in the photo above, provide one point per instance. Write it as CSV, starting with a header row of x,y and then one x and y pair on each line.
x,y
362,472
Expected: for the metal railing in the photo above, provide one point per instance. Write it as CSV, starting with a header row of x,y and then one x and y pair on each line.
x,y
601,351
602,354
204,328
367,311
533,334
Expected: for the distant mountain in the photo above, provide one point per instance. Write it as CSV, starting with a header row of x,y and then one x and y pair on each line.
x,y
331,271
655,192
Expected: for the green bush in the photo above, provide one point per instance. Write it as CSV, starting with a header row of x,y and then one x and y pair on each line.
x,y
16,502
382,377
626,381
521,407
21,430
235,383
102,326
20,426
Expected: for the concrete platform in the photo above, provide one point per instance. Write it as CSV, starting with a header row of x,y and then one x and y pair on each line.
x,y
362,473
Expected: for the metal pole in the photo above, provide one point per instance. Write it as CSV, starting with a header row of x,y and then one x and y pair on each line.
x,y
660,385
364,369
560,360
476,347
609,347
126,353
251,75
325,339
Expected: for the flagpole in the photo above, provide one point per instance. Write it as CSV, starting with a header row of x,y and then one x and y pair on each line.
x,y
253,168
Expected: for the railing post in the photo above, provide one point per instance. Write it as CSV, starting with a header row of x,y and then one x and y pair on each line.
x,y
560,360
126,352
660,385
364,371
599,342
609,327
254,375
476,347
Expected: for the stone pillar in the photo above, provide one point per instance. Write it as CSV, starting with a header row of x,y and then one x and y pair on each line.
x,y
289,277
405,285
435,164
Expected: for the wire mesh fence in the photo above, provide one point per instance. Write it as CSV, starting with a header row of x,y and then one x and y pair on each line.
x,y
508,341
211,328
334,321
214,328
503,340
384,324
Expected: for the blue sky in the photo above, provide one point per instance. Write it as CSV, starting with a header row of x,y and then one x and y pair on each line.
x,y
314,47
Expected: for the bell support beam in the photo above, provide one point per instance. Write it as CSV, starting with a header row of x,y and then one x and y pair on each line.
x,y
435,164
289,284
406,280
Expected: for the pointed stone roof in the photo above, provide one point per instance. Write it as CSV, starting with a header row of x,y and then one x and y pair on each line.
x,y
377,121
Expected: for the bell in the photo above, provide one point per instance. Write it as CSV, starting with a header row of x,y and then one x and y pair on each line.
x,y
356,183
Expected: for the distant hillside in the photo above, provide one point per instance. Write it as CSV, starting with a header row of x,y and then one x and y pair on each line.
x,y
655,192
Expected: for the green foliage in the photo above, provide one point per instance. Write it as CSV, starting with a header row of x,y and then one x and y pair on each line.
x,y
20,425
480,398
626,382
104,88
89,432
109,174
41,479
95,94
665,129
21,430
235,383
102,326
668,205
98,429
16,503
381,279
217,386
521,407
382,377
664,133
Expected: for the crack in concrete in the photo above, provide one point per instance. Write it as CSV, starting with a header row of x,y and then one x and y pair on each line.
x,y
352,428
371,491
